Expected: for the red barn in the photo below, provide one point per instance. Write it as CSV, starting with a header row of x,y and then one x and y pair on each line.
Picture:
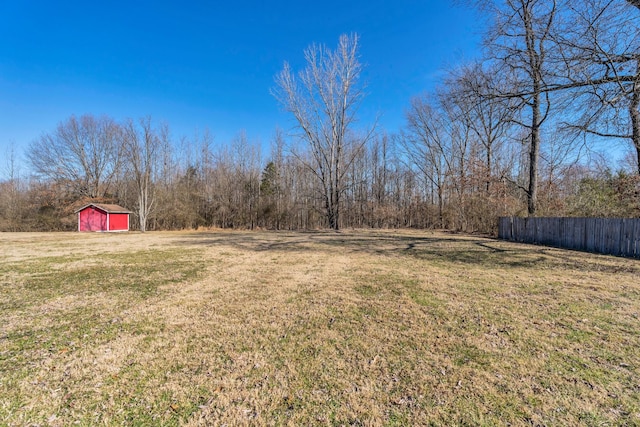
x,y
101,217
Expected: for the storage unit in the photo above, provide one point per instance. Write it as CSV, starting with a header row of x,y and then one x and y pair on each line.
x,y
102,217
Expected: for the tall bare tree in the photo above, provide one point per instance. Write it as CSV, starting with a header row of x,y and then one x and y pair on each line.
x,y
142,144
521,43
381,165
84,152
324,98
428,149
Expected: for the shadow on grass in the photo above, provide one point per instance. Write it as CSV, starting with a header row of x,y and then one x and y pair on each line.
x,y
439,248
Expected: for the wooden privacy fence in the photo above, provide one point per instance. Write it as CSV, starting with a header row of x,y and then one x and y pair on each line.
x,y
613,236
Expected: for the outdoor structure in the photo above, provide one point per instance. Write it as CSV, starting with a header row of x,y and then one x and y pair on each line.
x,y
611,236
101,217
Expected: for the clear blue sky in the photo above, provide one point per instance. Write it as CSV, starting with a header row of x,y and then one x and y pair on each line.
x,y
209,65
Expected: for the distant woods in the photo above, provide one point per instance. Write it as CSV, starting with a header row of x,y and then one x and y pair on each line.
x,y
529,129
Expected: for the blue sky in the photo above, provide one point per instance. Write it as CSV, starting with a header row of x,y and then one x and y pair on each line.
x,y
209,65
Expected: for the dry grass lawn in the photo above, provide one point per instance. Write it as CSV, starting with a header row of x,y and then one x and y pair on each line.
x,y
354,328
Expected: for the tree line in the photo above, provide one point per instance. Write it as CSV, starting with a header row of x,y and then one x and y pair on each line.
x,y
526,130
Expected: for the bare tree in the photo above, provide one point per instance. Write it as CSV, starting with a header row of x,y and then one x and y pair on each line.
x,y
428,150
521,43
601,52
12,191
247,161
324,98
273,188
489,118
381,171
142,144
83,152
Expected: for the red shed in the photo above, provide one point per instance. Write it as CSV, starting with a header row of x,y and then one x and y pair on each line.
x,y
101,217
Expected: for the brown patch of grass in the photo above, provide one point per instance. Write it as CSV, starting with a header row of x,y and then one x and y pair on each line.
x,y
352,328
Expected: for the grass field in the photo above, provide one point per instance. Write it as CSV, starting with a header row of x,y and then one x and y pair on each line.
x,y
353,328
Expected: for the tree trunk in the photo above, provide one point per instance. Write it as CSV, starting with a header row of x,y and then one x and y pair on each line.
x,y
634,112
536,59
534,154
488,169
440,207
332,207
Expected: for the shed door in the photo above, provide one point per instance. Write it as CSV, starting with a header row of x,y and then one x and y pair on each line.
x,y
92,219
119,221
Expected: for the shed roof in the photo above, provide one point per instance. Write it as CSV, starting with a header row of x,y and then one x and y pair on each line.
x,y
105,207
